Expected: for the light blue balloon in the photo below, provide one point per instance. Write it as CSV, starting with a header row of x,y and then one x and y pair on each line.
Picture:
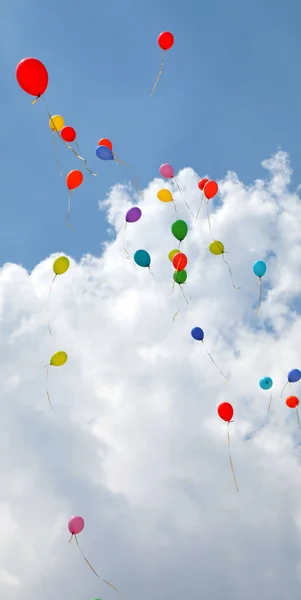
x,y
266,383
142,258
259,268
104,153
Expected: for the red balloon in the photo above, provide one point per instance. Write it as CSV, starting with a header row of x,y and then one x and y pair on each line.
x,y
165,40
32,76
74,179
202,183
106,142
225,411
292,401
179,261
210,189
68,134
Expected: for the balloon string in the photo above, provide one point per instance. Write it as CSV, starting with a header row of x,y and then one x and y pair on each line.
x,y
284,388
89,564
35,100
230,271
175,206
159,74
230,459
201,202
49,327
208,218
119,161
123,243
47,385
271,398
260,297
68,211
298,419
221,372
55,154
183,197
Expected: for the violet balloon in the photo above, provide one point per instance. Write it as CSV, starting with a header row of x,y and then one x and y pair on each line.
x,y
167,171
76,525
133,215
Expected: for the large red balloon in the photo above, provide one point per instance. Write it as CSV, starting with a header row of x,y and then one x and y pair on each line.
x,y
202,183
179,261
225,411
292,401
74,179
106,142
68,134
32,76
210,189
165,40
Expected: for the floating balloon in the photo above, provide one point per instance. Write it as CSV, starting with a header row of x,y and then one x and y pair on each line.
x,y
106,142
217,248
198,334
293,402
180,277
32,76
179,229
68,134
58,359
202,183
266,383
179,261
104,153
294,375
226,412
172,253
133,214
56,123
142,258
165,41
73,180
164,195
259,269
210,189
167,171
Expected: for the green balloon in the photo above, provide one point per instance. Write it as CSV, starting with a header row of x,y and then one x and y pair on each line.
x,y
179,229
180,276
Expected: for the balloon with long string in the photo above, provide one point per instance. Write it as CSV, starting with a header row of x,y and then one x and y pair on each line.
x,y
179,262
225,412
56,124
198,334
165,42
132,216
104,151
32,77
68,134
201,186
266,383
142,259
180,277
76,526
210,190
172,253
259,269
60,266
292,377
179,230
73,180
167,171
293,402
58,359
165,196
217,248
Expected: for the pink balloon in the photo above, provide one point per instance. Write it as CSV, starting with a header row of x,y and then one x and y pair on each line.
x,y
167,171
76,525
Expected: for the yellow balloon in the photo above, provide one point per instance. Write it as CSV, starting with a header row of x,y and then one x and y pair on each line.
x,y
172,253
56,123
217,247
59,359
61,265
164,195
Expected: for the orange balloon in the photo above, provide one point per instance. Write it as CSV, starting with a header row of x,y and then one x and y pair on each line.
x,y
74,179
106,142
210,189
292,401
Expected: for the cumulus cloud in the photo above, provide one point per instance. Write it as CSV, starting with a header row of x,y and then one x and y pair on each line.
x,y
135,445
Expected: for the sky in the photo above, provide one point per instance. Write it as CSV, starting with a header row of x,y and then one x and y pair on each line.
x,y
135,444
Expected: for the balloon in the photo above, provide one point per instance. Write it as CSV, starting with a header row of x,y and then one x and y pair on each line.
x,y
74,179
259,268
210,189
202,183
294,375
165,40
61,265
56,123
104,153
179,229
164,195
180,277
32,76
197,334
167,171
142,258
266,383
179,261
59,359
68,134
133,214
216,247
105,142
225,411
172,253
76,525
292,401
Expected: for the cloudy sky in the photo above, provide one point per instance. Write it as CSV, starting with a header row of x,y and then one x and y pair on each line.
x,y
135,444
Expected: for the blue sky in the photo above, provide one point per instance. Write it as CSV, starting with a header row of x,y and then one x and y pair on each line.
x,y
228,98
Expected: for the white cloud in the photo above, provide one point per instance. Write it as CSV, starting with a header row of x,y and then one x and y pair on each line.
x,y
135,445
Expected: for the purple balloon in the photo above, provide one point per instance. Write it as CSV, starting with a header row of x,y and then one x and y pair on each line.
x,y
133,215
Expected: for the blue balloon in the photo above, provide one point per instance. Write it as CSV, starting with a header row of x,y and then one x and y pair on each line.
x,y
294,375
197,334
266,383
259,268
104,153
142,258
